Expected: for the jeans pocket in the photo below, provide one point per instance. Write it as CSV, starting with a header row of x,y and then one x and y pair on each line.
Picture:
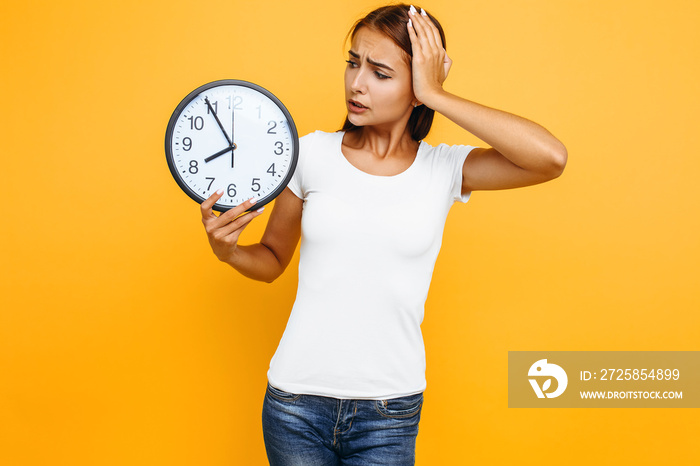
x,y
400,408
281,395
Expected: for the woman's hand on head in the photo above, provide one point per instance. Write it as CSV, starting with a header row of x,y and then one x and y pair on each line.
x,y
430,61
223,230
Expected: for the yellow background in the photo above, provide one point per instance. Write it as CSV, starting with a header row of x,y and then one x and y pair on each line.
x,y
124,341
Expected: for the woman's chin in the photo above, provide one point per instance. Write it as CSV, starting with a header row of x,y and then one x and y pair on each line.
x,y
352,118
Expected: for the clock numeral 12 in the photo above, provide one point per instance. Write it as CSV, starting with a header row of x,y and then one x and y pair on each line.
x,y
237,101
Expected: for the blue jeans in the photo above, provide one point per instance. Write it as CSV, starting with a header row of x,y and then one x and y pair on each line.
x,y
314,430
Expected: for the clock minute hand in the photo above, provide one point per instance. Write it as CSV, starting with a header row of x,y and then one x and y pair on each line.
x,y
221,152
233,125
211,109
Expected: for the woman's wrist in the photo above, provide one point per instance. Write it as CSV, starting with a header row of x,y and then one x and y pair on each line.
x,y
438,100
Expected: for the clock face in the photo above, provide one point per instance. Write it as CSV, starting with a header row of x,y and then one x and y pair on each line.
x,y
235,136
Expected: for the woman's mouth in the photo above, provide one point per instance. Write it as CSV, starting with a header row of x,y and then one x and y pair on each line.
x,y
356,106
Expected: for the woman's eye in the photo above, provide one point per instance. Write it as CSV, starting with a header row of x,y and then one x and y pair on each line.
x,y
381,76
351,63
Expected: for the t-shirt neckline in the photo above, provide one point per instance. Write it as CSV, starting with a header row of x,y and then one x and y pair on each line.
x,y
346,162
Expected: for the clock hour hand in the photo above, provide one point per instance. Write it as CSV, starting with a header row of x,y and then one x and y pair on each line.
x,y
211,109
221,152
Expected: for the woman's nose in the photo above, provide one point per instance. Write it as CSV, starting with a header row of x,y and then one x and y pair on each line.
x,y
358,82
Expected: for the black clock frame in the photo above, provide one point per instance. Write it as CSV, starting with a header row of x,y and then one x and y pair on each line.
x,y
228,82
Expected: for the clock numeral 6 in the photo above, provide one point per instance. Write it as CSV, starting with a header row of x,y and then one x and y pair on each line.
x,y
196,123
256,185
231,190
279,146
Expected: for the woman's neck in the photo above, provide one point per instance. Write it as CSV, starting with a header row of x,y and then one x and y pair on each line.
x,y
381,143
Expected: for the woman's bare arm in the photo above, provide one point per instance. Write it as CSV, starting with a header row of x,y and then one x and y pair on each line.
x,y
523,153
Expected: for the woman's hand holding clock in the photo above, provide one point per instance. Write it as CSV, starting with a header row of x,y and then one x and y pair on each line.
x,y
223,230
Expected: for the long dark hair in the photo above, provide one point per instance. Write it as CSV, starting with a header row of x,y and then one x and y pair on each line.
x,y
391,20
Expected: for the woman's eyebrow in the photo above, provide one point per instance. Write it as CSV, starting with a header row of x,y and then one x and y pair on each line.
x,y
370,61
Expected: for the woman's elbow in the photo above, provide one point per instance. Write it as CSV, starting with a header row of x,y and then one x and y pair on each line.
x,y
557,159
270,278
270,275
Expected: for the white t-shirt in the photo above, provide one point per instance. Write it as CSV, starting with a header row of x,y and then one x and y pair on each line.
x,y
368,249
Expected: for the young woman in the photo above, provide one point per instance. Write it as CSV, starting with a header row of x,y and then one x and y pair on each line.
x,y
346,383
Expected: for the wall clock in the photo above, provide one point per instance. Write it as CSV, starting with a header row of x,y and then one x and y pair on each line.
x,y
232,135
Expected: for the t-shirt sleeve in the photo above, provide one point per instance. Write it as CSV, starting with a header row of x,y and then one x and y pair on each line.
x,y
296,183
456,155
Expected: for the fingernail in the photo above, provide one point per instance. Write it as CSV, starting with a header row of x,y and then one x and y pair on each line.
x,y
260,209
422,11
412,10
220,192
410,24
252,200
